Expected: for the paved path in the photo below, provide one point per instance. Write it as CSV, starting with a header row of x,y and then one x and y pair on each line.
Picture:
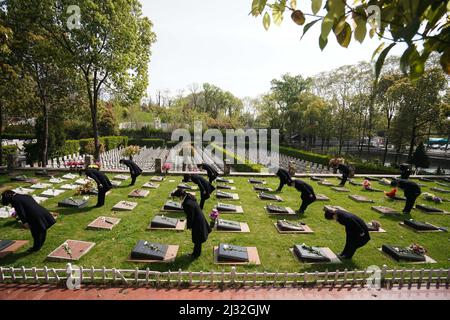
x,y
48,292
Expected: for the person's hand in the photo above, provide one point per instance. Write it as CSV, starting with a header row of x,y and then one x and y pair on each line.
x,y
26,226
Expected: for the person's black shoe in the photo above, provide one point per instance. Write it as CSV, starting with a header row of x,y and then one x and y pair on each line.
x,y
193,256
300,212
31,250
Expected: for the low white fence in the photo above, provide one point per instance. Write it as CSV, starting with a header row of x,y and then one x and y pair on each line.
x,y
91,276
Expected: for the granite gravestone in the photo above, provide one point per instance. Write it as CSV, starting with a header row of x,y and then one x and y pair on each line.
x,y
310,254
173,206
284,225
5,244
256,181
223,207
228,225
220,179
73,203
232,253
276,209
145,250
420,226
429,209
268,196
261,188
164,222
402,254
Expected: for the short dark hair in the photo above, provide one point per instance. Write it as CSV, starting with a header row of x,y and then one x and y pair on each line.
x,y
394,183
187,178
179,193
329,215
7,197
121,160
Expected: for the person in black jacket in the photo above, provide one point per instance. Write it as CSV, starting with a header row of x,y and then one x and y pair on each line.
x,y
196,220
405,171
307,194
32,215
103,184
285,178
410,189
204,186
357,232
135,171
345,170
210,171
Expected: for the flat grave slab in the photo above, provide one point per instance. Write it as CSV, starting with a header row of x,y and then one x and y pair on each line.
x,y
426,179
442,184
277,210
8,247
359,198
83,181
125,206
431,210
24,178
326,183
441,190
139,193
146,252
39,200
418,226
161,222
51,193
151,185
386,210
317,178
39,186
73,203
224,180
289,227
22,190
371,178
270,197
157,179
354,183
256,181
236,256
116,183
185,186
121,177
314,255
333,208
371,189
322,197
6,212
385,182
56,180
262,188
228,208
400,254
340,189
229,226
225,187
70,250
396,198
103,223
70,176
68,187
172,206
227,195
373,230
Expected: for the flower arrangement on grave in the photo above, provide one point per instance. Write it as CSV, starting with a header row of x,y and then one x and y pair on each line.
x,y
214,214
311,249
152,247
166,167
67,249
130,151
432,197
227,247
417,249
375,224
86,188
74,165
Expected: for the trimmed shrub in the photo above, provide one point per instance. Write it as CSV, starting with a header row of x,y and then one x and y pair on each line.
x,y
7,150
113,142
247,166
149,143
70,147
20,136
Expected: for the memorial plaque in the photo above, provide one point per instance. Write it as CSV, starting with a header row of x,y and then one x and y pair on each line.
x,y
402,254
69,187
145,250
223,207
157,179
317,178
151,185
103,223
310,254
22,190
38,186
39,200
354,183
385,210
397,198
56,180
226,195
83,181
426,179
440,190
384,182
277,210
73,203
322,197
443,184
225,187
371,178
164,222
228,225
11,246
138,193
326,183
334,208
359,198
71,250
229,253
420,226
172,206
372,228
69,176
284,225
125,206
268,196
186,187
429,209
261,188
256,181
51,193
116,183
340,189
220,179
24,178
5,244
121,177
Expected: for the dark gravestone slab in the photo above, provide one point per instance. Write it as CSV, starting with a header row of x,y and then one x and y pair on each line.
x,y
371,227
173,206
224,187
399,253
23,179
326,183
261,188
353,183
185,186
276,209
268,196
228,225
73,203
443,184
224,195
310,254
5,244
149,251
428,208
219,179
284,225
371,178
164,222
426,179
228,252
420,226
256,181
317,178
440,190
226,207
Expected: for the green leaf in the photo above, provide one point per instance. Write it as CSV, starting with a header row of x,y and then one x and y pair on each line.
x,y
339,27
406,58
382,57
258,7
378,50
322,43
345,36
327,25
277,13
360,30
316,6
266,21
308,26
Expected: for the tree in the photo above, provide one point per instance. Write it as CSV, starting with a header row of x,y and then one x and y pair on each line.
x,y
394,21
107,125
420,158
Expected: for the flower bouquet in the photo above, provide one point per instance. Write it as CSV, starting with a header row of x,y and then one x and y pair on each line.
x,y
214,214
166,167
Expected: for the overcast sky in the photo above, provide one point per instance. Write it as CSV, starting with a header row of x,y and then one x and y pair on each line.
x,y
218,42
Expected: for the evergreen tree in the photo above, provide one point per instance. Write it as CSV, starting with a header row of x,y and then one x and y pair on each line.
x,y
420,158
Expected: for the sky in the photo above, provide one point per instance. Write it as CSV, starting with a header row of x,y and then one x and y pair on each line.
x,y
218,42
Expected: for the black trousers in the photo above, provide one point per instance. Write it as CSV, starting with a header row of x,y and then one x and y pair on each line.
x,y
306,201
197,250
212,178
101,196
281,186
39,237
133,179
410,200
344,179
351,247
203,200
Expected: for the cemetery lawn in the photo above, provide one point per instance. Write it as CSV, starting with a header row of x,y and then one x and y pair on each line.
x,y
113,247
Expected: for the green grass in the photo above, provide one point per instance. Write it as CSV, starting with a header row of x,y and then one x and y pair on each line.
x,y
113,247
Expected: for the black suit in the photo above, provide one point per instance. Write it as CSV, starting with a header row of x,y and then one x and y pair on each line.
x,y
357,233
210,171
345,170
38,218
205,188
405,172
197,222
412,192
285,178
135,171
103,184
308,196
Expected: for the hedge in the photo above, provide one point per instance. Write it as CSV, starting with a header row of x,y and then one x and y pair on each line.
x,y
20,136
70,147
149,143
247,166
7,150
360,167
108,143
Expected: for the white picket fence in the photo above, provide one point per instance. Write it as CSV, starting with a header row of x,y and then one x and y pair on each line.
x,y
138,277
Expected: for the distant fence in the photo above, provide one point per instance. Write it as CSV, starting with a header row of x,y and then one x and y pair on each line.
x,y
138,277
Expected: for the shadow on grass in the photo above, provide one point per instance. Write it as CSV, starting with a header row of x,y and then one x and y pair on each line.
x,y
70,211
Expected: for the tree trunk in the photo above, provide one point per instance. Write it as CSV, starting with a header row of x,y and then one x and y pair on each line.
x,y
386,142
95,129
412,143
44,154
1,134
